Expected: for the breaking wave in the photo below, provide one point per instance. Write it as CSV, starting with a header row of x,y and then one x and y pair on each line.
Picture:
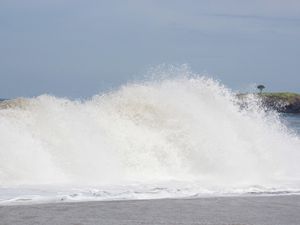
x,y
184,129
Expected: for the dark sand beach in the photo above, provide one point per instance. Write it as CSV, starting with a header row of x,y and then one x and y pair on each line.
x,y
259,210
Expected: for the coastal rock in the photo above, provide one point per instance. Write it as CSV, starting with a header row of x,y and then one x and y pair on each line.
x,y
283,102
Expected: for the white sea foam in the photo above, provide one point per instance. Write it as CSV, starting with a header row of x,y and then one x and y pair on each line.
x,y
170,137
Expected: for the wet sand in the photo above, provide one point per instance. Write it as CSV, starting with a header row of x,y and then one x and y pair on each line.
x,y
259,210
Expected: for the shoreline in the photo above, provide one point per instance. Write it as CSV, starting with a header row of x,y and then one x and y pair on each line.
x,y
246,210
64,199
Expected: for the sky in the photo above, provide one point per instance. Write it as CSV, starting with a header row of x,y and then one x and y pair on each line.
x,y
76,49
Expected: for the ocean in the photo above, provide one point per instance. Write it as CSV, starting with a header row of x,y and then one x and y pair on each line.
x,y
178,137
292,121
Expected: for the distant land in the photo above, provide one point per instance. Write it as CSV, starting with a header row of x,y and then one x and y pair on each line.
x,y
283,102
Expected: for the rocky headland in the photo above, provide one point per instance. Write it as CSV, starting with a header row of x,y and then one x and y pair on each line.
x,y
283,102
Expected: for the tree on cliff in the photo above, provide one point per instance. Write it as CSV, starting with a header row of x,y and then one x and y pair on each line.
x,y
260,88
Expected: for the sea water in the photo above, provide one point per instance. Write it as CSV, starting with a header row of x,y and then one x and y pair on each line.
x,y
174,136
292,121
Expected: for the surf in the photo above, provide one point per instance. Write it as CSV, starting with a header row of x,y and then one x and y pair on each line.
x,y
182,130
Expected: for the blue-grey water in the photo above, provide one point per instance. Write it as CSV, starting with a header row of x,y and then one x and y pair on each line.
x,y
292,121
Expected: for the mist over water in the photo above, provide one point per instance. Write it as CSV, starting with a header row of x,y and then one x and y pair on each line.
x,y
175,135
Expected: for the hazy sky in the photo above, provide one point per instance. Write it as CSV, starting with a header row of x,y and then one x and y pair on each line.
x,y
78,48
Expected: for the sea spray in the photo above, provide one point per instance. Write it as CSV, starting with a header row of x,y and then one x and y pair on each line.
x,y
182,130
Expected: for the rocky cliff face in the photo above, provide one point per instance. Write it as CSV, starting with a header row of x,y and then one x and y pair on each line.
x,y
283,102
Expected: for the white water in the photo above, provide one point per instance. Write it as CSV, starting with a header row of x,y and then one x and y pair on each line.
x,y
176,137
